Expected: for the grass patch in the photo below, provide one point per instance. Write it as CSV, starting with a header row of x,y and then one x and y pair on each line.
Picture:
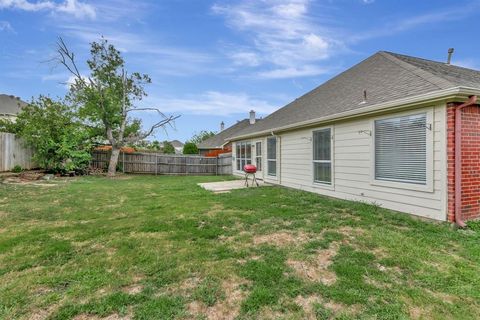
x,y
158,247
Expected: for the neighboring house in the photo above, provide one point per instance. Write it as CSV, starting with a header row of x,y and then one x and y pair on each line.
x,y
10,106
381,132
220,142
178,145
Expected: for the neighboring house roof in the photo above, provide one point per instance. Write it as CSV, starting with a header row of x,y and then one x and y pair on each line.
x,y
10,105
177,144
385,76
221,138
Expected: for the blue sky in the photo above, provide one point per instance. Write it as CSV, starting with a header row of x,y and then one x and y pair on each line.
x,y
213,61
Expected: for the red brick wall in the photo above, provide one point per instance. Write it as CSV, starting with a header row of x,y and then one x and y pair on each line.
x,y
470,161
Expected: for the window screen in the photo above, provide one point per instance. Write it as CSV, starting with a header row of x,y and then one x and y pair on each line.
x,y
272,156
244,154
258,155
322,156
401,149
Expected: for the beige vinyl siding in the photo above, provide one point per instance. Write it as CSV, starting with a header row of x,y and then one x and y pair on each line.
x,y
353,163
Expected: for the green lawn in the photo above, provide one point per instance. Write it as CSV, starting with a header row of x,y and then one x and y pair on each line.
x,y
145,247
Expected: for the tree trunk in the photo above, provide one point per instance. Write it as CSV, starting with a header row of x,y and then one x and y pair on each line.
x,y
112,165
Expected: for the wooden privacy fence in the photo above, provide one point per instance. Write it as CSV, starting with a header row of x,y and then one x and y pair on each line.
x,y
158,163
13,153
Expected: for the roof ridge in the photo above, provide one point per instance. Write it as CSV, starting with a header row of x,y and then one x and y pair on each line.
x,y
440,82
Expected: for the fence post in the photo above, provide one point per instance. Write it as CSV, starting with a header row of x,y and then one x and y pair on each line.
x,y
156,163
216,167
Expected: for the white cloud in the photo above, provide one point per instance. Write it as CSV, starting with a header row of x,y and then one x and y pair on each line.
x,y
212,102
293,72
455,13
77,9
74,8
245,58
162,58
282,35
6,26
368,1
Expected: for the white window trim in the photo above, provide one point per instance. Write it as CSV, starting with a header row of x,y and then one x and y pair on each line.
x,y
259,156
318,184
428,187
271,176
236,155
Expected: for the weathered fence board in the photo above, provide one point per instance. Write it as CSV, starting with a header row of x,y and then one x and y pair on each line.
x,y
13,152
158,163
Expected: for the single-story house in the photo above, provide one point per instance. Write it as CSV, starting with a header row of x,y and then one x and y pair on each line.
x,y
394,130
10,106
220,143
177,145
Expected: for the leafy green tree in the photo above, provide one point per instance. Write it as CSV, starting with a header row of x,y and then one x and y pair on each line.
x,y
190,148
61,143
106,98
155,145
201,136
168,148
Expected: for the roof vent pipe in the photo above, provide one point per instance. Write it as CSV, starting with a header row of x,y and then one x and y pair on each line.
x,y
450,53
222,126
252,117
364,97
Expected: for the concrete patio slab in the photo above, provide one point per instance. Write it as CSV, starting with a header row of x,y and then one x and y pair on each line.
x,y
226,186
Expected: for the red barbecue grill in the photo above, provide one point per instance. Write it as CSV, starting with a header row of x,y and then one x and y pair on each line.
x,y
250,170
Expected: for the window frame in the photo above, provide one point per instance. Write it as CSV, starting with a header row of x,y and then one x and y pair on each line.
x,y
273,176
428,186
239,159
324,184
259,155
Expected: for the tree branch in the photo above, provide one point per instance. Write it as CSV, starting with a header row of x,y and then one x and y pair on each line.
x,y
167,121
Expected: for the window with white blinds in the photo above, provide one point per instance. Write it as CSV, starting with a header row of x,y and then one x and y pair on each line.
x,y
401,149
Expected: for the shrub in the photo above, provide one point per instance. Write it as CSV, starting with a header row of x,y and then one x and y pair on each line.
x,y
190,148
61,144
168,148
17,169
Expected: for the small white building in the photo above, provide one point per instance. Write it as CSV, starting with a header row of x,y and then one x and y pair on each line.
x,y
375,133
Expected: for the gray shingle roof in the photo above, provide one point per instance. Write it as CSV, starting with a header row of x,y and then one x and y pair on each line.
x,y
218,140
386,76
177,144
10,105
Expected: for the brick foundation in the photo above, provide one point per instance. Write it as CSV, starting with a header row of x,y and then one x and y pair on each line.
x,y
470,161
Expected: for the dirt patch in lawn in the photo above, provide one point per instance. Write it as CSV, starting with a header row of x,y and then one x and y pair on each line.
x,y
281,239
317,269
417,312
215,209
39,315
227,309
20,181
133,289
349,232
308,305
114,316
